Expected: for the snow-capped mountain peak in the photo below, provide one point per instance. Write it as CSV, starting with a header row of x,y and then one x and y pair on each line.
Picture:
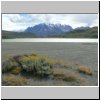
x,y
43,29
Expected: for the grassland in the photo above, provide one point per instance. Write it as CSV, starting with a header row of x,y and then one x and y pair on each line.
x,y
49,64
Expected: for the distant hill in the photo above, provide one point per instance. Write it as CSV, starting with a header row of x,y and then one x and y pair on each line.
x,y
79,33
48,29
11,35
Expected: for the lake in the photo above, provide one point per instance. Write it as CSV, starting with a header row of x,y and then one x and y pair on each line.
x,y
49,40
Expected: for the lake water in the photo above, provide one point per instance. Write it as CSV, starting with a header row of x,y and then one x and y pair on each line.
x,y
49,40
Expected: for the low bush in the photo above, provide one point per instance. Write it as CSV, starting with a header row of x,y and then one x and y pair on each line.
x,y
38,65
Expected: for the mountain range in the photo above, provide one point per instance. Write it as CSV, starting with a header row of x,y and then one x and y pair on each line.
x,y
48,29
53,30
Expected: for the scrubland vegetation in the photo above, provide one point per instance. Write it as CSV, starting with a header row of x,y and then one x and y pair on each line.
x,y
33,69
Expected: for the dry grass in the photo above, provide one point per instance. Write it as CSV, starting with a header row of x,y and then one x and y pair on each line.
x,y
12,80
85,70
60,73
83,81
71,76
60,63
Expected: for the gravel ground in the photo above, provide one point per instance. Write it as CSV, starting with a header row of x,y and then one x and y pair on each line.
x,y
82,53
75,53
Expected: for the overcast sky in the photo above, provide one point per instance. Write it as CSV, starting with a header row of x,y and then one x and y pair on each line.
x,y
14,22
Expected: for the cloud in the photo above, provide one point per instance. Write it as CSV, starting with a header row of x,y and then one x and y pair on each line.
x,y
95,23
22,21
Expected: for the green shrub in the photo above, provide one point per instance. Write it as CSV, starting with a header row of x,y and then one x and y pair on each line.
x,y
16,70
8,65
35,64
38,65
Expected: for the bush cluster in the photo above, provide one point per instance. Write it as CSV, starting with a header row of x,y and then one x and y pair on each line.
x,y
38,65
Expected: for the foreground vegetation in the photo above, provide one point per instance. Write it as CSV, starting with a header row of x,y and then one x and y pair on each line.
x,y
22,69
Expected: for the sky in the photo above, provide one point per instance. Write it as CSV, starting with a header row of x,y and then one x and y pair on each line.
x,y
19,22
